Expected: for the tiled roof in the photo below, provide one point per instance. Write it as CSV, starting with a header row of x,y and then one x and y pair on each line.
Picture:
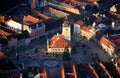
x,y
31,20
2,18
79,22
1,54
57,41
92,1
107,42
86,28
3,33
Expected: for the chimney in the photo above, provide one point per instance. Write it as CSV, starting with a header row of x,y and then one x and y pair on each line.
x,y
113,24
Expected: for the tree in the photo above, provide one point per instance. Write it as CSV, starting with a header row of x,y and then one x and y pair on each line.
x,y
66,55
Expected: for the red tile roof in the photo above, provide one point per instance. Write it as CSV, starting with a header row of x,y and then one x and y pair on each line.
x,y
79,22
57,41
2,18
31,20
86,28
107,42
3,33
1,54
91,1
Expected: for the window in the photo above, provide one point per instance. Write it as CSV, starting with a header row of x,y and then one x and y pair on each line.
x,y
58,49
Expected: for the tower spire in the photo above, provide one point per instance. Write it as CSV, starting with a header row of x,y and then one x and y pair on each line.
x,y
66,22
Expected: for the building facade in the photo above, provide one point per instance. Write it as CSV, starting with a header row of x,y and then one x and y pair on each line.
x,y
87,31
107,45
34,26
57,44
77,26
66,30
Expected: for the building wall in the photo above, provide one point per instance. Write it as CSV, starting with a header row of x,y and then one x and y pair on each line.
x,y
88,35
109,50
76,29
57,50
36,33
66,32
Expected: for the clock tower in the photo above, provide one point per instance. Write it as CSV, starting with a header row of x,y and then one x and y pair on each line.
x,y
66,30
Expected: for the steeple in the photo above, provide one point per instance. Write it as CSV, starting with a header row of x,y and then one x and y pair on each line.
x,y
66,29
66,22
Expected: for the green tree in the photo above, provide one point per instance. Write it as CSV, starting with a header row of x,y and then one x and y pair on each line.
x,y
66,55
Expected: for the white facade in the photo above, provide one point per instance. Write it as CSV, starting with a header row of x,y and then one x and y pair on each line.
x,y
57,50
35,31
66,30
17,26
14,25
76,28
109,50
